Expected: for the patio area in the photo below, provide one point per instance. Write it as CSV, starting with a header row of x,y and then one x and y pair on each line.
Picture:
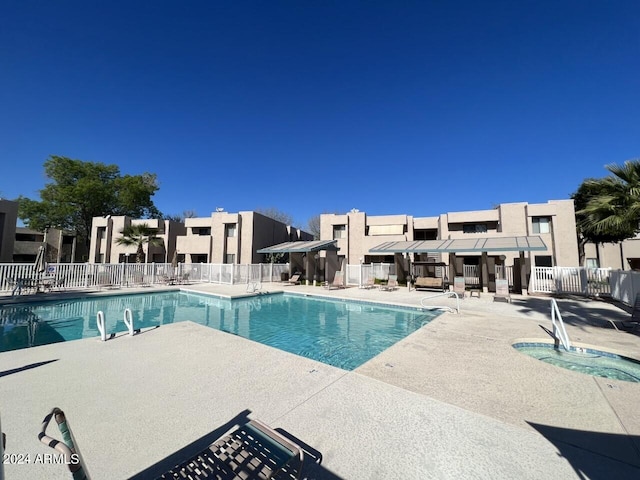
x,y
452,400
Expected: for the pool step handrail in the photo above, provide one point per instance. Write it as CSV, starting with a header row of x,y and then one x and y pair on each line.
x,y
559,332
128,321
101,326
457,309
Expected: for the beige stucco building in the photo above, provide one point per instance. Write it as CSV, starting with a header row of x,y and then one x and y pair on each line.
x,y
106,230
222,237
554,221
233,237
8,220
618,256
61,245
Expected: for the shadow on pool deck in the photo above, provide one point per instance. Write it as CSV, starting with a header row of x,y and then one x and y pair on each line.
x,y
26,367
574,313
566,440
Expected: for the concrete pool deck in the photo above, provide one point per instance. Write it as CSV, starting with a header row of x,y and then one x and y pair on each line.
x,y
452,400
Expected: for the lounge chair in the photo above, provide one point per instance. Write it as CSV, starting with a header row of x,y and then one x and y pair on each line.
x,y
338,282
250,451
295,279
369,283
459,286
633,323
392,283
502,291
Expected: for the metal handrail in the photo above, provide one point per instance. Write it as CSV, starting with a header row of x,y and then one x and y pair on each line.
x,y
441,295
559,331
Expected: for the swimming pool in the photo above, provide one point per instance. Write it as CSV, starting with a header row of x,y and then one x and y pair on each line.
x,y
344,334
584,360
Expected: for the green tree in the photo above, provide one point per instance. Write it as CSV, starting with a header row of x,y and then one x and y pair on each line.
x,y
79,191
139,235
608,209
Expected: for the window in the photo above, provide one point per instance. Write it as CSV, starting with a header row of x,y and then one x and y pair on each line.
x,y
425,234
27,237
231,230
339,231
541,224
634,263
198,258
230,258
202,231
544,261
591,263
102,232
474,228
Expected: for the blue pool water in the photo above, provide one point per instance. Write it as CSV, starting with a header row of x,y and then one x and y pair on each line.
x,y
339,333
587,361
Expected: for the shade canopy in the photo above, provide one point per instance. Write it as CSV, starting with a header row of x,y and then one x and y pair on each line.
x,y
462,245
301,247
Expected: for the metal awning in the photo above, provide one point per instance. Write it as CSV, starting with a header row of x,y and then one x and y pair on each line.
x,y
301,247
460,245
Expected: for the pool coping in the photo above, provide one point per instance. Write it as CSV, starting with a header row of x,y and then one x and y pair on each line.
x,y
589,348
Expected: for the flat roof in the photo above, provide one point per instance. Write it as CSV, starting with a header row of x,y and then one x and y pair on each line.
x,y
301,247
486,244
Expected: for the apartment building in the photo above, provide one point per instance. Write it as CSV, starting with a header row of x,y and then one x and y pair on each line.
x,y
8,220
618,256
222,237
61,245
554,221
106,230
21,244
358,236
233,237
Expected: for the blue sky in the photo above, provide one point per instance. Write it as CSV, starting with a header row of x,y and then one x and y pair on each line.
x,y
405,107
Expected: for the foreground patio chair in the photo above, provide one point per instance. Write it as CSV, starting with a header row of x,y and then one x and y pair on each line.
x,y
295,279
253,451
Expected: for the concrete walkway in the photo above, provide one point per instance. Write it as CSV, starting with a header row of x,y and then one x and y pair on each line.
x,y
452,400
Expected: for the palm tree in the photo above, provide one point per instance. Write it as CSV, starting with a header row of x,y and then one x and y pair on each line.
x,y
612,212
139,235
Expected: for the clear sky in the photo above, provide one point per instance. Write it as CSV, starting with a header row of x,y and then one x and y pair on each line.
x,y
391,107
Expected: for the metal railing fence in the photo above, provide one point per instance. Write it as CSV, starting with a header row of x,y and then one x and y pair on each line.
x,y
92,275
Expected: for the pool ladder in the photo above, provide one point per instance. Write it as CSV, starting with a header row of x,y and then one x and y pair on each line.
x,y
128,321
559,332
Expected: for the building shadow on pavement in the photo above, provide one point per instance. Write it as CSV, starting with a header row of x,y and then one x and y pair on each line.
x,y
595,455
579,312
